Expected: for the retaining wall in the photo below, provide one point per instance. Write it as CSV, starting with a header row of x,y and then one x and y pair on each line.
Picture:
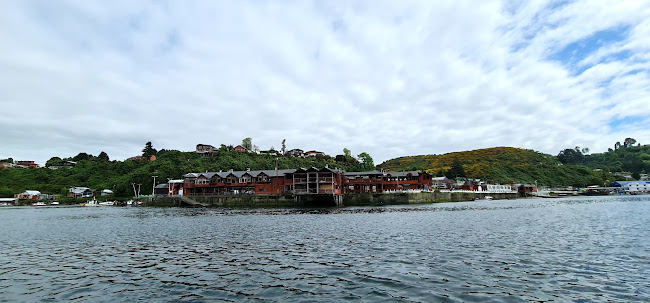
x,y
368,199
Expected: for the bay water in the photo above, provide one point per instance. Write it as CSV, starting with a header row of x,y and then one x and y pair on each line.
x,y
569,249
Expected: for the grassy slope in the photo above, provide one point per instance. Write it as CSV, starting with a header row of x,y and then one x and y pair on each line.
x,y
502,165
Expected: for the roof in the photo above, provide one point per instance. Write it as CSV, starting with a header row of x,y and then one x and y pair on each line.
x,y
624,183
238,174
364,173
439,178
163,185
107,191
79,189
32,192
404,173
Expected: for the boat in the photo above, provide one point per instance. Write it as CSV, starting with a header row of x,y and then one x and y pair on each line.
x,y
107,203
39,203
92,202
54,203
489,198
129,203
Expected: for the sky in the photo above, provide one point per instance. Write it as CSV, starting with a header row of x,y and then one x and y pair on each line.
x,y
390,78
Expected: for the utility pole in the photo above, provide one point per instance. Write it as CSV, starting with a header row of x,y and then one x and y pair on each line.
x,y
153,187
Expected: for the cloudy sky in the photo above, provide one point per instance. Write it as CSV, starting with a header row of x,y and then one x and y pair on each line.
x,y
389,78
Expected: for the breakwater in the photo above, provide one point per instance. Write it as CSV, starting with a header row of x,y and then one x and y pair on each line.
x,y
365,199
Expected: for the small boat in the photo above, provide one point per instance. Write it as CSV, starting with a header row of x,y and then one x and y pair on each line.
x,y
489,198
39,203
54,203
129,203
92,202
107,203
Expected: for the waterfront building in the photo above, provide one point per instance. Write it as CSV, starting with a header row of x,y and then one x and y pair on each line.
x,y
302,181
633,187
80,192
29,195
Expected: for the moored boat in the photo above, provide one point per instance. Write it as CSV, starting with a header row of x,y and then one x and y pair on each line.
x,y
92,202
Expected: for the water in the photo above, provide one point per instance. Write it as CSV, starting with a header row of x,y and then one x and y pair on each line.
x,y
573,249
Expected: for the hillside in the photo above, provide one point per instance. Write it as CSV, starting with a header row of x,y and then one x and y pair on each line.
x,y
98,173
502,165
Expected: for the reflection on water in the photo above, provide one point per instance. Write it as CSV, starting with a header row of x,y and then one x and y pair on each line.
x,y
579,249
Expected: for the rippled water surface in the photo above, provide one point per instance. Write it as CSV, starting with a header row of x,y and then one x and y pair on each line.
x,y
582,249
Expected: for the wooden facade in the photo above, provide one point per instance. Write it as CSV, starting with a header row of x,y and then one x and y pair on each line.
x,y
380,181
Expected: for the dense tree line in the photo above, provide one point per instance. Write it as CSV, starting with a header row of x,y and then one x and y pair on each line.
x,y
628,156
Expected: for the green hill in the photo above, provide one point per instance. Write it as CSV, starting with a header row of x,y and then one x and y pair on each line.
x,y
502,165
98,173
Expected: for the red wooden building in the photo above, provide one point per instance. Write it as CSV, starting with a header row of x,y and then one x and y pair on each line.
x,y
380,181
302,181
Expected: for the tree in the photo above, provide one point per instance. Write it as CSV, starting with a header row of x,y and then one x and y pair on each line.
x,y
247,143
366,161
636,175
148,150
617,145
81,156
284,147
347,153
628,142
103,156
456,170
53,160
571,156
8,160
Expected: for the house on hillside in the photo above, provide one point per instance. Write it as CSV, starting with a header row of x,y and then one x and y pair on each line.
x,y
66,164
296,152
6,165
313,153
205,149
106,192
26,164
240,148
270,152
